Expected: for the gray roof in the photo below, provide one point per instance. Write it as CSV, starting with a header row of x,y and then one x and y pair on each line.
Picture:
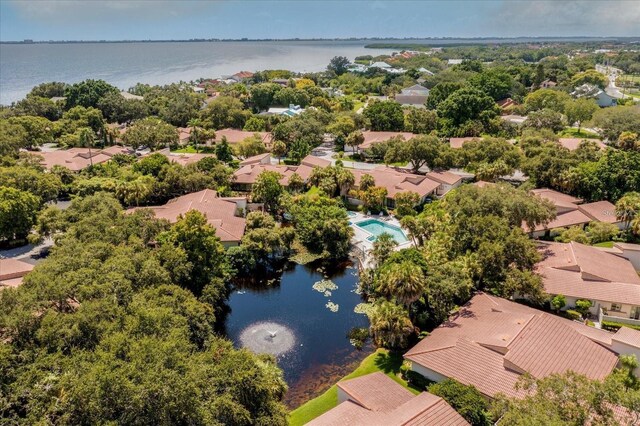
x,y
411,99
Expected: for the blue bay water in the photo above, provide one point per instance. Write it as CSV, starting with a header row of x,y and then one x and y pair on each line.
x,y
23,66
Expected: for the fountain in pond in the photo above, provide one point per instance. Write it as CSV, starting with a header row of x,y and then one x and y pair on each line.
x,y
267,337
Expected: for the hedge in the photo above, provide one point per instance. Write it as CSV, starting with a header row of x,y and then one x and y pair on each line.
x,y
615,326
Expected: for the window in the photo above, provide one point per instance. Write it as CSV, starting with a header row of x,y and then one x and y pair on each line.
x,y
616,307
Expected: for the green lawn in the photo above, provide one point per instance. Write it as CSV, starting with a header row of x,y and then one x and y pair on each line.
x,y
186,150
604,244
381,360
189,149
573,133
314,190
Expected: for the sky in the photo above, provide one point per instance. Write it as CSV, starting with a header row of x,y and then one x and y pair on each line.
x,y
186,19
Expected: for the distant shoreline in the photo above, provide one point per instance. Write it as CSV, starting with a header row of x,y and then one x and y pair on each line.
x,y
419,40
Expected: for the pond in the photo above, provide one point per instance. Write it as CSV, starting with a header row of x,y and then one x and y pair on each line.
x,y
306,328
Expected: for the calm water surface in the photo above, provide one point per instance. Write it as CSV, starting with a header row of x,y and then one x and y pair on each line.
x,y
23,66
322,352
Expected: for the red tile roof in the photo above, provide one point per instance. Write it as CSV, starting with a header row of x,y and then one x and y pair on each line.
x,y
627,336
377,400
372,138
184,159
396,181
393,180
602,211
220,212
548,347
457,143
375,392
444,176
491,341
585,272
573,143
236,136
557,198
12,271
256,159
76,159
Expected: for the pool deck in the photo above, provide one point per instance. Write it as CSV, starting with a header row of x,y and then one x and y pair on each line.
x,y
360,238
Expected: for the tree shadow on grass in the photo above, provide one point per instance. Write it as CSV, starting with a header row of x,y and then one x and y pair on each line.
x,y
389,362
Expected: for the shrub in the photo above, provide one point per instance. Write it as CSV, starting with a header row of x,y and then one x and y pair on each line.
x,y
466,400
615,326
417,380
573,315
558,302
583,306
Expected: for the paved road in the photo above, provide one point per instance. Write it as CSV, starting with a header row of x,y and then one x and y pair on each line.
x,y
29,253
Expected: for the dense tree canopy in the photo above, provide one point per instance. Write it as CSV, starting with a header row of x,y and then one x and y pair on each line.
x,y
107,326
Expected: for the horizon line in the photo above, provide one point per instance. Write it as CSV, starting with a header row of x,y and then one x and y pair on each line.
x,y
241,39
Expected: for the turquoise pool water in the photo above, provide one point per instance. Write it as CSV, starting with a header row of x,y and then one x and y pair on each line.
x,y
377,227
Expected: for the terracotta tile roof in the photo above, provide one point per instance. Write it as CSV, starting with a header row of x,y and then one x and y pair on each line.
x,y
437,413
237,136
444,176
539,352
471,364
185,159
457,143
256,159
220,212
585,272
393,180
248,174
557,198
490,342
74,159
371,138
12,271
243,74
377,400
570,218
589,262
313,161
573,143
375,392
628,336
396,181
346,413
627,246
602,211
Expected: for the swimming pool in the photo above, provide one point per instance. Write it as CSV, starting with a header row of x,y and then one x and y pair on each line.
x,y
377,227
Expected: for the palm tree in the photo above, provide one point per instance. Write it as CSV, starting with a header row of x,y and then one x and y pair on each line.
x,y
196,126
344,179
405,281
86,139
382,248
389,325
628,208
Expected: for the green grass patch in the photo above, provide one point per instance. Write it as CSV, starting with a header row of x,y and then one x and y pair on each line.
x,y
573,133
302,255
604,244
381,360
314,190
190,149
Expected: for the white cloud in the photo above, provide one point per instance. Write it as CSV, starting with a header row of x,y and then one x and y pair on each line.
x,y
569,17
67,10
